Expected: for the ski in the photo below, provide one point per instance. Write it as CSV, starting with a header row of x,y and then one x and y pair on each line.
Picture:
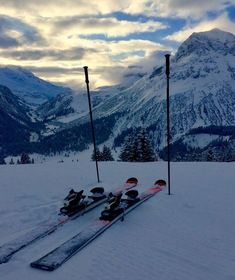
x,y
64,252
8,249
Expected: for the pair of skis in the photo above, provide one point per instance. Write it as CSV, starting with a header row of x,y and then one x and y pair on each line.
x,y
8,249
64,252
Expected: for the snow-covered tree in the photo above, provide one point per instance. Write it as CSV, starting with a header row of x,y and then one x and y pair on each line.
x,y
11,161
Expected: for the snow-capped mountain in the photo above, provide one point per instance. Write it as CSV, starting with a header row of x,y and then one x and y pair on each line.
x,y
26,85
202,89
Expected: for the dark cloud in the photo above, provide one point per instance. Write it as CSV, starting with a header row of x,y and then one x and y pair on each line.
x,y
8,42
86,22
26,34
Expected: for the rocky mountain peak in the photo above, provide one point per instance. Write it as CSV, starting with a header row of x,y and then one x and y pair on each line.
x,y
202,43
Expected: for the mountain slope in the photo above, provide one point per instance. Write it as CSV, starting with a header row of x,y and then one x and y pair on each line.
x,y
27,86
16,125
66,108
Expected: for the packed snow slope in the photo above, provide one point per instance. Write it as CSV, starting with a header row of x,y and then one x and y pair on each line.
x,y
188,235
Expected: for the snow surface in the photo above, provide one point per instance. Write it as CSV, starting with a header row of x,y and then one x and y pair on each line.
x,y
188,235
200,140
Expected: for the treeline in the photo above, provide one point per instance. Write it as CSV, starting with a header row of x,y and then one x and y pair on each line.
x,y
136,147
216,130
24,159
104,155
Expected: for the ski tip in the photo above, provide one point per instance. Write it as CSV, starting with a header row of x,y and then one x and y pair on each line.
x,y
42,266
5,259
132,180
160,183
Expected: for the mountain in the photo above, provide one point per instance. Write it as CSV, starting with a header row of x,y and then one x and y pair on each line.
x,y
26,85
17,126
202,105
202,89
66,108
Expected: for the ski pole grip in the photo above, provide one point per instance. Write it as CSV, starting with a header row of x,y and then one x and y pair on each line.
x,y
167,56
86,74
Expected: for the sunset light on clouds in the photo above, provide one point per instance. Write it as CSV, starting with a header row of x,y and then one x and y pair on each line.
x,y
55,39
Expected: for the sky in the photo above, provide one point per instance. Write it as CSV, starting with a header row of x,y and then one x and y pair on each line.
x,y
56,38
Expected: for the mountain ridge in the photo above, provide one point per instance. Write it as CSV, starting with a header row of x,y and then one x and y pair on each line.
x,y
24,84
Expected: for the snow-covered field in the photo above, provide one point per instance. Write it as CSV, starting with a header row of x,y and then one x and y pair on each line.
x,y
188,235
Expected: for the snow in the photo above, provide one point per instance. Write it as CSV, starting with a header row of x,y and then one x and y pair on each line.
x,y
34,137
201,140
217,34
26,85
188,235
50,129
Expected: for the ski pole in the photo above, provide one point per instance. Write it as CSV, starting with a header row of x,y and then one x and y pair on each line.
x,y
91,119
168,121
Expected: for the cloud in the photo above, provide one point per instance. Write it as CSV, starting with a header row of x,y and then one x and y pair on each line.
x,y
8,42
50,8
222,22
15,32
66,65
52,34
49,54
189,8
111,27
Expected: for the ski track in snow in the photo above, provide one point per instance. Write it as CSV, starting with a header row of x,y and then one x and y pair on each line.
x,y
188,235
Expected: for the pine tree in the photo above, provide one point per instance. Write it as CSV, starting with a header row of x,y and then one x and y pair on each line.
x,y
210,155
106,154
137,148
127,148
11,161
133,155
25,159
143,147
98,154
